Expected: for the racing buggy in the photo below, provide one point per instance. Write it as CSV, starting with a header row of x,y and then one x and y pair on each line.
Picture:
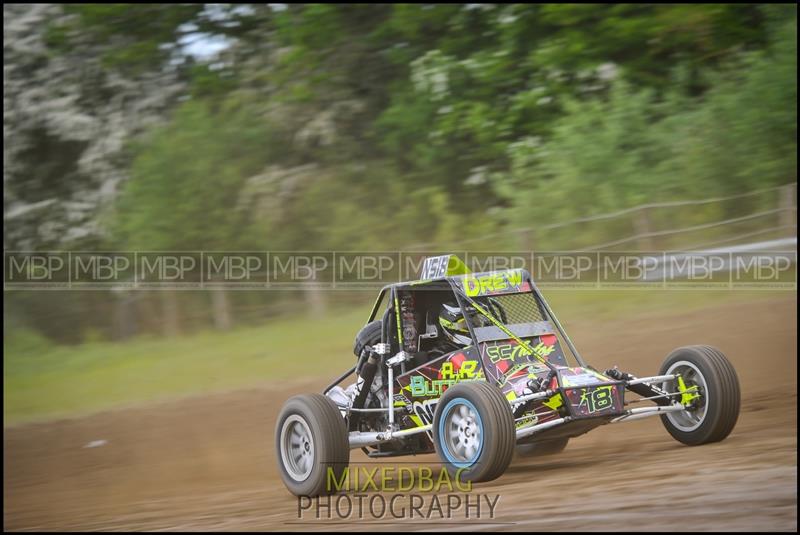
x,y
474,366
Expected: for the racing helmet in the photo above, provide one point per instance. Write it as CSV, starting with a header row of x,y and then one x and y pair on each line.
x,y
454,325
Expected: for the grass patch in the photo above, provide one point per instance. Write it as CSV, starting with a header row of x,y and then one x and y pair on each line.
x,y
66,380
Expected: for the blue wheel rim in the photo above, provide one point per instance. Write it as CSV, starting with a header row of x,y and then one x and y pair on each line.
x,y
461,433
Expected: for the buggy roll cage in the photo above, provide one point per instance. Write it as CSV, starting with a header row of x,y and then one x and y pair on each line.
x,y
462,299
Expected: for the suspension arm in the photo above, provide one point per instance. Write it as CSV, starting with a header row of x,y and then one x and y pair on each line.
x,y
644,386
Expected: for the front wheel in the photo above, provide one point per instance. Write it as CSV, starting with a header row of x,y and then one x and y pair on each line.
x,y
473,431
710,393
311,441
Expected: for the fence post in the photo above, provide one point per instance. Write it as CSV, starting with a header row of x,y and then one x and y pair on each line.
x,y
641,225
170,317
220,303
527,240
124,315
787,204
315,299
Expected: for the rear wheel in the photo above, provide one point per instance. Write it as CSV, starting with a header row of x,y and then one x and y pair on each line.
x,y
311,440
544,447
712,395
369,335
473,431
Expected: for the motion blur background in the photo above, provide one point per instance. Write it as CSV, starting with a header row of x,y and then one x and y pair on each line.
x,y
280,127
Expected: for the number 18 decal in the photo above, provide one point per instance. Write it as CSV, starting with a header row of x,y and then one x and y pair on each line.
x,y
597,399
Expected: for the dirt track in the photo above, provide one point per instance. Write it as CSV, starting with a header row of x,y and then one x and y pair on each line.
x,y
208,464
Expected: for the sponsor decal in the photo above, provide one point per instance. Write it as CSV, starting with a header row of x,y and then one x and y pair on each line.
x,y
449,374
511,352
493,283
424,410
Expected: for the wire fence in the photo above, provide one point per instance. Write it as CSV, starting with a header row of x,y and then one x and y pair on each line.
x,y
780,219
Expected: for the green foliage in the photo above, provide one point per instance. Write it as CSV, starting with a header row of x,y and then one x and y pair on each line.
x,y
603,106
135,36
446,91
56,37
187,177
211,83
634,146
381,126
25,343
745,131
491,75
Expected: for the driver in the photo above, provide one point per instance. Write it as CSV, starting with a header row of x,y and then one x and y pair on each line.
x,y
453,327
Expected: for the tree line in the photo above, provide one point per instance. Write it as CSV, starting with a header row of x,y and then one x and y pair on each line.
x,y
371,127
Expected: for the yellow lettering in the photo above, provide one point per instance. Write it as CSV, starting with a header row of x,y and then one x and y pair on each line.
x,y
444,479
425,479
468,368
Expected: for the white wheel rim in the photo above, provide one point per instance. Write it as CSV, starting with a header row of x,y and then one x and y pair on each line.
x,y
688,420
463,433
297,448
